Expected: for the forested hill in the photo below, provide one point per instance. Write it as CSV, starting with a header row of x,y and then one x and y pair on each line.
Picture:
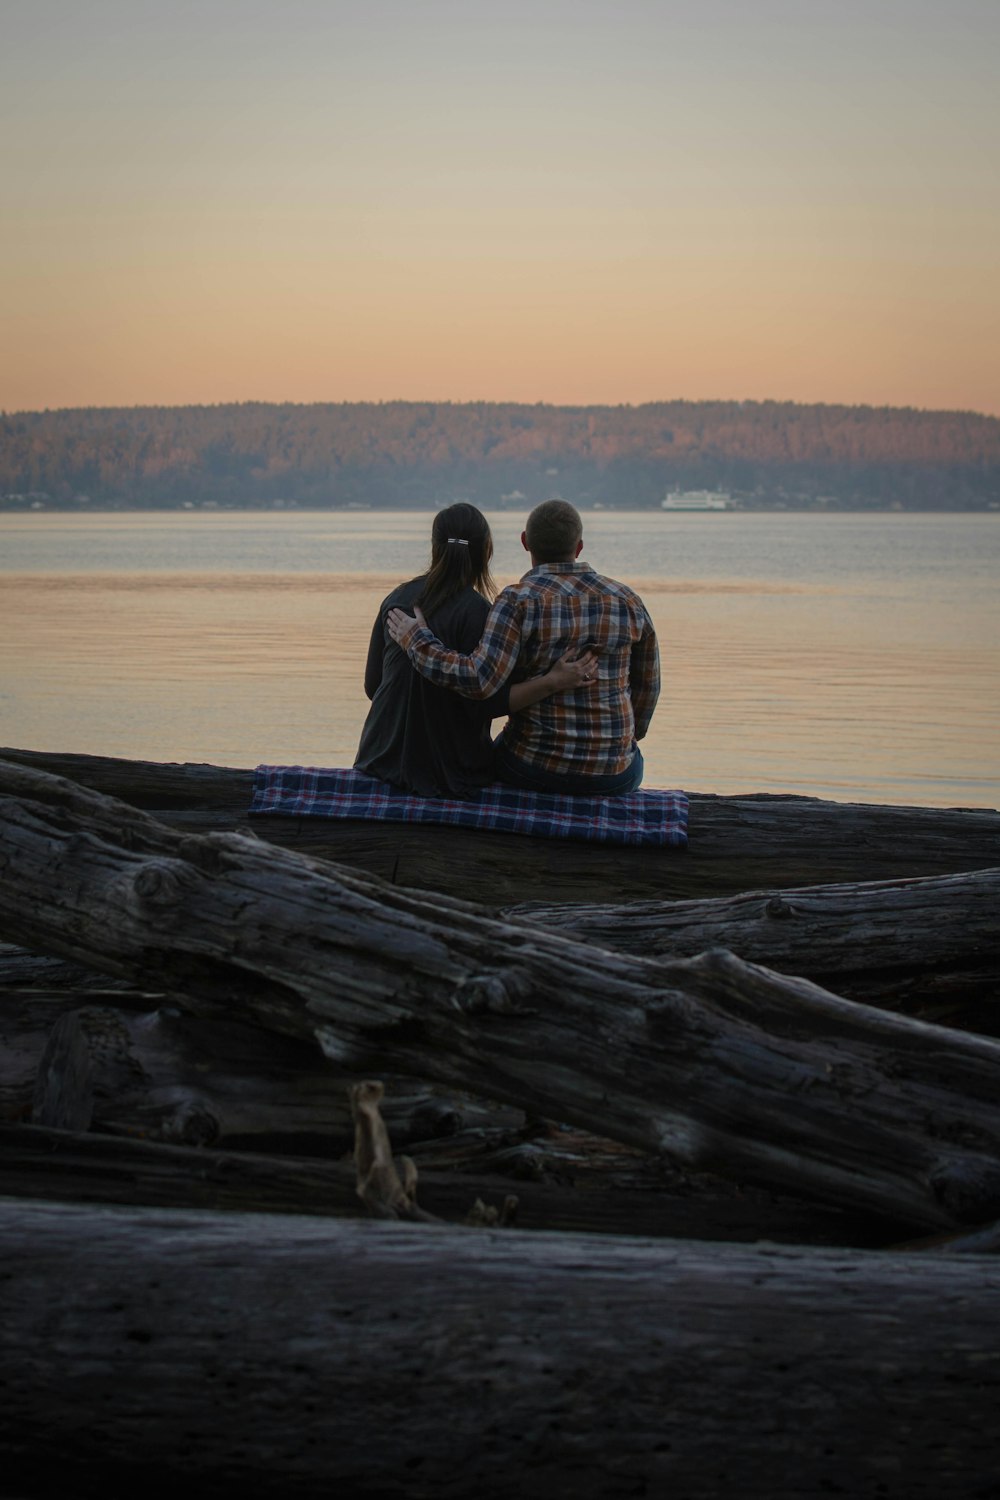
x,y
419,453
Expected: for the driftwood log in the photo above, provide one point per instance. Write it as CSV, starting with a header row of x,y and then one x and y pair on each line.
x,y
927,945
558,1185
723,1065
71,1063
289,1357
736,843
240,1091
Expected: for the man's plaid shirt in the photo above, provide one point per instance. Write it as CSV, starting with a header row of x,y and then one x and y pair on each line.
x,y
557,606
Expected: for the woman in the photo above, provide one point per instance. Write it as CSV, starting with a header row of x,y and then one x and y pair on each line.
x,y
428,739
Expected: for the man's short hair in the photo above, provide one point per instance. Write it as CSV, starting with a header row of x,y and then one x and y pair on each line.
x,y
553,530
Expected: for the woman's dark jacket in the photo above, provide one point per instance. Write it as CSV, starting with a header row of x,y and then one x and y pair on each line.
x,y
419,737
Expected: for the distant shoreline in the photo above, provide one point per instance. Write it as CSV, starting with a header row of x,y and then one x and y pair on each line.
x,y
499,456
737,508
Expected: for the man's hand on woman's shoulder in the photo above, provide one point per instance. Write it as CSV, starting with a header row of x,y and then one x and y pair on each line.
x,y
401,625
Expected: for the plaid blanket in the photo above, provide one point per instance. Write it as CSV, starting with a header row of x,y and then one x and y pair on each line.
x,y
645,817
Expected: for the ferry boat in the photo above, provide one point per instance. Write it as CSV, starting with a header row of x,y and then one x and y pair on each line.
x,y
699,500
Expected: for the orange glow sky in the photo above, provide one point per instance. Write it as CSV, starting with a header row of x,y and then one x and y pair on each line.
x,y
564,200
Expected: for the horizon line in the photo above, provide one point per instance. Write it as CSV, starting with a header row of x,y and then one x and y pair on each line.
x,y
6,415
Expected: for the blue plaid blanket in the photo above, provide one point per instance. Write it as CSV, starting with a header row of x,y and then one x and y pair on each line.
x,y
645,817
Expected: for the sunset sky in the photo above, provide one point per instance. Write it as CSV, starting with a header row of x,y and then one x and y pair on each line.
x,y
541,200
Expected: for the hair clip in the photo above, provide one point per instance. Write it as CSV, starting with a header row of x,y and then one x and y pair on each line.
x,y
461,540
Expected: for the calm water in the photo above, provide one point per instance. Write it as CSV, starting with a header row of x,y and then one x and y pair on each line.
x,y
855,657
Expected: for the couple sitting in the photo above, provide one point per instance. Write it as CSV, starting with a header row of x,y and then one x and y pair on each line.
x,y
570,656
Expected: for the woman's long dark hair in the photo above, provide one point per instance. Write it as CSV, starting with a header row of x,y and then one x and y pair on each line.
x,y
461,549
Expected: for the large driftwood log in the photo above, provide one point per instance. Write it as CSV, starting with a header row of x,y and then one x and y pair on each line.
x,y
722,1064
74,1064
930,943
69,1167
290,1357
736,844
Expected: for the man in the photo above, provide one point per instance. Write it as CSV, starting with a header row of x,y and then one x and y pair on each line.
x,y
582,743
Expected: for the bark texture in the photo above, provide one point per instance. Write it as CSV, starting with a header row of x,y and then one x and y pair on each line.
x,y
289,1357
930,945
723,1065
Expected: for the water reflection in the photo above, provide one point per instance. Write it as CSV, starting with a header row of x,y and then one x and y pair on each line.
x,y
769,684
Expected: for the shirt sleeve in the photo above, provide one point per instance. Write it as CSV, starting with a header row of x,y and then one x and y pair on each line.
x,y
644,678
482,672
376,651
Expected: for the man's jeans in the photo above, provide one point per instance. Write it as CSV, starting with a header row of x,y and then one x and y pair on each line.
x,y
513,772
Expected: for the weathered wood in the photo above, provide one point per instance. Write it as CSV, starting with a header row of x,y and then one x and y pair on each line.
x,y
148,784
69,1167
21,969
984,1241
165,1075
27,1019
736,844
720,1063
85,1167
293,1357
64,1089
908,943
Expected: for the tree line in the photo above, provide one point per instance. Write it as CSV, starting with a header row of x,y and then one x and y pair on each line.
x,y
400,453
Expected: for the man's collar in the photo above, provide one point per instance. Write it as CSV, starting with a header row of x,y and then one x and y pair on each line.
x,y
579,566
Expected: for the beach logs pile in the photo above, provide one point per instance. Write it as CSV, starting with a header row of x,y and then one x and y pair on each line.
x,y
239,973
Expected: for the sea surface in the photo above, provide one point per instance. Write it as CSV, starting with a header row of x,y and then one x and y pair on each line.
x,y
855,657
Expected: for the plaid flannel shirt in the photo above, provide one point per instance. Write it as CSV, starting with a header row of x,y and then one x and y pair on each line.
x,y
556,606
